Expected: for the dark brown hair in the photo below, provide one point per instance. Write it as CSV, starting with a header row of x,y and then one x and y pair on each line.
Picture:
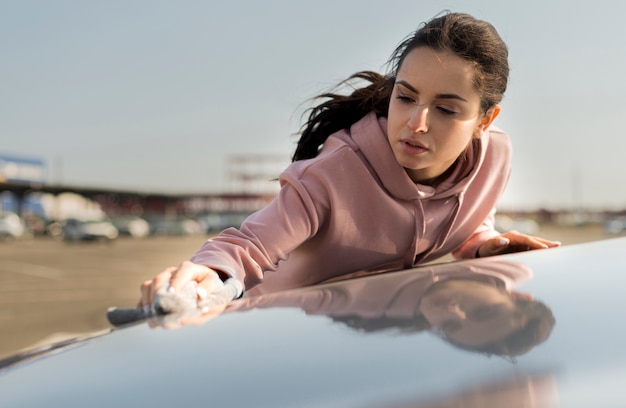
x,y
539,322
474,40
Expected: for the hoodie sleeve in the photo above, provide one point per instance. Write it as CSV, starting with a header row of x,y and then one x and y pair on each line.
x,y
264,238
485,231
486,190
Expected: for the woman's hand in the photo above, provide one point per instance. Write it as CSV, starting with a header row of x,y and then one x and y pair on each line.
x,y
209,281
514,241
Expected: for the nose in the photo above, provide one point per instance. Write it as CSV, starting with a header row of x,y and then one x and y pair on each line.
x,y
418,122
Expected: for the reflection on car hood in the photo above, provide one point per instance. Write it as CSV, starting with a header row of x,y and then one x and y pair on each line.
x,y
540,328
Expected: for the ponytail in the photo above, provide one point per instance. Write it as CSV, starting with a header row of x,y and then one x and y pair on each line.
x,y
341,111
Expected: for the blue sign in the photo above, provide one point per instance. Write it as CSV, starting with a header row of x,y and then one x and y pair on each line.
x,y
15,169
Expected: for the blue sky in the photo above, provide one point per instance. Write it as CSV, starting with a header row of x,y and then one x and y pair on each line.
x,y
157,95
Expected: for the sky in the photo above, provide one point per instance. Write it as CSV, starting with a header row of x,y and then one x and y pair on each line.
x,y
157,96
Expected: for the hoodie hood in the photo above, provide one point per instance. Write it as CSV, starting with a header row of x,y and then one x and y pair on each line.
x,y
367,133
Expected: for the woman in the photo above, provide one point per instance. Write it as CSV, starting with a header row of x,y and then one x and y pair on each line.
x,y
402,171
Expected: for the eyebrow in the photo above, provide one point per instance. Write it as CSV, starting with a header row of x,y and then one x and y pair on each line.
x,y
438,96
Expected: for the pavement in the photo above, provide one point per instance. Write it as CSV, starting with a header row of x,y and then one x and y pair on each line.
x,y
51,290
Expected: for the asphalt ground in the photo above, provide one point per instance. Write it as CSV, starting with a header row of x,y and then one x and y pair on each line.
x,y
51,290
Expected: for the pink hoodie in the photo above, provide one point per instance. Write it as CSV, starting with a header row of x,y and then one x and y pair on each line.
x,y
353,207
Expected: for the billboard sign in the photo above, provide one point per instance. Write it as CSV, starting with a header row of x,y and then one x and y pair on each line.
x,y
22,170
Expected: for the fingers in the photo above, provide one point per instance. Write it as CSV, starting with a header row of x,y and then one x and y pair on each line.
x,y
176,277
161,279
548,243
186,272
528,242
150,287
514,241
494,246
208,280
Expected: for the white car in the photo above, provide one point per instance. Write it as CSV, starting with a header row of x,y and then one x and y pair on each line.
x,y
11,226
135,227
89,230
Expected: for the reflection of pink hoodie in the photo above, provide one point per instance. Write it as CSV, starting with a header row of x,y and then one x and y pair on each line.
x,y
353,207
390,294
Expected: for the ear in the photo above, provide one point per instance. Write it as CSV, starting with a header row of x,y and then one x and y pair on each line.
x,y
491,115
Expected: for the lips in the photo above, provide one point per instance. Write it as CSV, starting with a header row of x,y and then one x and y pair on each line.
x,y
413,146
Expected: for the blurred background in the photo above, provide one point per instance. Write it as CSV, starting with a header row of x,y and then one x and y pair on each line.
x,y
149,125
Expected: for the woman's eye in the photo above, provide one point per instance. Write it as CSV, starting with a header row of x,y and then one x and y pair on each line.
x,y
405,99
445,111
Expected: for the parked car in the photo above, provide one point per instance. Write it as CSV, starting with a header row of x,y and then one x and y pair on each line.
x,y
89,230
534,329
11,226
183,226
615,225
218,221
524,225
135,227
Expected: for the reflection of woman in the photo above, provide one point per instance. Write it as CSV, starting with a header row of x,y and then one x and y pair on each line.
x,y
481,317
471,306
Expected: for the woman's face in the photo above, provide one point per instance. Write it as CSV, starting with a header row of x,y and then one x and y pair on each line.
x,y
434,112
472,313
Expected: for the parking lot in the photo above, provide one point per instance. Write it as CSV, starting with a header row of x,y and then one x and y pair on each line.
x,y
50,289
